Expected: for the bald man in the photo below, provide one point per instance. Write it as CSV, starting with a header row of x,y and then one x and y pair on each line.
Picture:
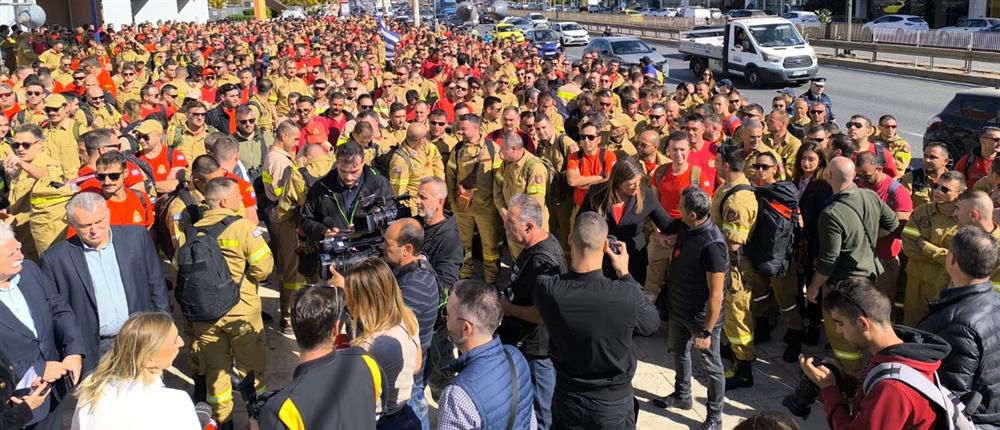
x,y
975,208
848,228
411,162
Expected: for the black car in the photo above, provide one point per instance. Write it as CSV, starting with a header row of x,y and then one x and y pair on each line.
x,y
958,125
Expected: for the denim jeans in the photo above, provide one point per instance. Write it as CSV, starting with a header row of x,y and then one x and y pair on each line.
x,y
440,354
418,402
404,419
680,346
543,377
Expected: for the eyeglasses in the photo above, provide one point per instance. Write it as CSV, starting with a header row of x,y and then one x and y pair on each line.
x,y
248,121
855,124
52,110
889,125
22,145
777,106
734,101
814,112
366,106
96,99
141,137
170,95
761,166
129,74
196,113
319,88
942,188
993,139
439,123
656,116
588,137
33,93
503,83
209,78
462,88
854,303
606,104
79,78
352,88
304,110
112,176
6,94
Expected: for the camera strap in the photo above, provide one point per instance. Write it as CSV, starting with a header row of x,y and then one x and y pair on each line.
x,y
513,388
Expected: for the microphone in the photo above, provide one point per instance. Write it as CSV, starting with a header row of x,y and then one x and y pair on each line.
x,y
204,413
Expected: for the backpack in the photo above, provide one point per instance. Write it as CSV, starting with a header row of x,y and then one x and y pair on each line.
x,y
951,412
161,216
770,244
602,155
205,290
147,171
661,172
557,186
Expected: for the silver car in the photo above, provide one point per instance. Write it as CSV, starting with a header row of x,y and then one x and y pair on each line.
x,y
628,51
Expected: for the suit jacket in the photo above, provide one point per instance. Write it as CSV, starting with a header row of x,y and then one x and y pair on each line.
x,y
11,416
58,334
142,276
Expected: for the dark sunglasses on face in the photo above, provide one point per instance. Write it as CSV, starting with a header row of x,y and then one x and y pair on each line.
x,y
814,112
588,137
942,188
196,113
656,116
363,107
79,78
439,123
248,121
889,125
33,93
52,110
112,176
22,145
141,137
855,124
762,166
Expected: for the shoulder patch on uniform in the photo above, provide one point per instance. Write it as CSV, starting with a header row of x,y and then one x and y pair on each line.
x,y
731,216
180,157
135,172
399,169
258,232
539,179
176,217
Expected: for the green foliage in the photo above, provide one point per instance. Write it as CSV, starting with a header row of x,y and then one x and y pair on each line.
x,y
217,4
248,11
824,15
241,17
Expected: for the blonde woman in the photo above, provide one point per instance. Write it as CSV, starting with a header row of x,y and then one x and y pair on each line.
x,y
126,391
388,330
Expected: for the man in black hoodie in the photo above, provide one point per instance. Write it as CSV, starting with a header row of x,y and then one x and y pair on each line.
x,y
967,316
443,249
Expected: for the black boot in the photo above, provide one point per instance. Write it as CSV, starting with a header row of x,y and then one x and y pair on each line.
x,y
761,330
811,337
200,393
726,351
793,346
742,376
673,401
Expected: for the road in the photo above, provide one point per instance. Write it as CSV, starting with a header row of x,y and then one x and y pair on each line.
x,y
913,101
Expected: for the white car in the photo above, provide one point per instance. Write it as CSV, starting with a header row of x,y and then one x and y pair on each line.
x,y
537,18
571,33
971,25
898,22
669,12
716,13
803,19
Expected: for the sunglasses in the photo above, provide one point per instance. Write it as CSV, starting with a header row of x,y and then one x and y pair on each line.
x,y
855,124
173,96
606,104
141,137
889,125
352,88
33,93
943,188
462,88
129,74
96,99
22,145
6,94
79,78
734,101
761,166
304,110
814,112
197,113
366,106
52,110
248,121
112,176
504,83
588,137
439,123
656,116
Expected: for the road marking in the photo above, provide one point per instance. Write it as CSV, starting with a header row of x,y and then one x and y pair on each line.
x,y
897,75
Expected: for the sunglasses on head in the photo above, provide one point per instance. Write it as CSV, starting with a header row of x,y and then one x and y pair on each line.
x,y
112,176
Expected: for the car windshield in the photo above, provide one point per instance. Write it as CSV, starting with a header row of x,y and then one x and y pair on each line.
x,y
630,47
773,35
518,21
544,36
571,27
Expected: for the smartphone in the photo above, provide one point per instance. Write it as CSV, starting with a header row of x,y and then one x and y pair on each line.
x,y
614,244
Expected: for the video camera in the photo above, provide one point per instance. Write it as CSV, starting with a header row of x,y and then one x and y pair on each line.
x,y
347,249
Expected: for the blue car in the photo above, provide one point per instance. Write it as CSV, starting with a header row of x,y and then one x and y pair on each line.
x,y
545,41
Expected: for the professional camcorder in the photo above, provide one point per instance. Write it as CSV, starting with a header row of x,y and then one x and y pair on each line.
x,y
347,249
800,401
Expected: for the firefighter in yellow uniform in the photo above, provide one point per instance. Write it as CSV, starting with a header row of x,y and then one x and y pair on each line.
x,y
521,173
317,164
395,133
34,168
62,134
926,237
411,162
735,214
190,141
237,339
469,174
555,147
278,167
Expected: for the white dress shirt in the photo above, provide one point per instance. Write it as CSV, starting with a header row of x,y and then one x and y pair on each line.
x,y
135,406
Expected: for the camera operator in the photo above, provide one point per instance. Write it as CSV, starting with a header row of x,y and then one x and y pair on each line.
x,y
316,321
594,362
541,255
862,315
441,248
333,201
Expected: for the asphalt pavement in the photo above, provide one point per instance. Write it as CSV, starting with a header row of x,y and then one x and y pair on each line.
x,y
913,101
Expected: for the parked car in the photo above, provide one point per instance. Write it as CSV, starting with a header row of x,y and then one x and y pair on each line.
x,y
971,25
504,31
545,41
669,12
959,123
626,50
571,33
537,18
695,12
745,13
898,22
803,19
521,23
716,13
894,7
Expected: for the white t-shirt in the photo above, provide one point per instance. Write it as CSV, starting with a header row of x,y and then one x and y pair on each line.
x,y
396,352
135,406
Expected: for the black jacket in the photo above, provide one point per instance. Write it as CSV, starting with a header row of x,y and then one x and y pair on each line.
x,y
325,209
969,319
11,416
443,248
545,258
220,120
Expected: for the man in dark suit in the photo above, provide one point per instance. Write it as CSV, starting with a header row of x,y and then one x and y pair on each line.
x,y
105,273
38,332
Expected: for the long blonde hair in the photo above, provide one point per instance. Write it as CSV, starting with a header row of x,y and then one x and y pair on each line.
x,y
375,301
137,341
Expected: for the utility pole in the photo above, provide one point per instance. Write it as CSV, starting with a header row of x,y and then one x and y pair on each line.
x,y
850,18
416,13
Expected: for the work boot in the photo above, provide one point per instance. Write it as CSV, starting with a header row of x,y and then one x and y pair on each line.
x,y
742,376
793,346
761,330
726,351
200,393
286,326
811,336
673,401
712,423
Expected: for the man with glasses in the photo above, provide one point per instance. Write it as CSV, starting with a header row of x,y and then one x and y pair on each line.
x,y
8,101
128,206
888,135
848,228
752,134
438,133
92,145
63,76
655,121
859,129
388,97
152,105
99,111
26,164
129,88
412,161
167,163
253,142
976,164
504,92
209,92
189,136
62,133
352,89
590,165
817,94
819,113
315,129
33,111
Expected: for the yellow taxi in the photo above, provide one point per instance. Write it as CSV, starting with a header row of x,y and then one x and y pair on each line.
x,y
506,31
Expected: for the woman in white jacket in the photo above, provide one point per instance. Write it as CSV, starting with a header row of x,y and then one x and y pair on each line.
x,y
126,391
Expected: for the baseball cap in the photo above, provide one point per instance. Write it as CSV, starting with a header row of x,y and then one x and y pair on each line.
x,y
208,72
149,126
787,90
55,101
617,121
388,76
725,82
227,87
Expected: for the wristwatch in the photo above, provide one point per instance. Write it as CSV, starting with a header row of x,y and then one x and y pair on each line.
x,y
706,333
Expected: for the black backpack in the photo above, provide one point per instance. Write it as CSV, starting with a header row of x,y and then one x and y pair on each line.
x,y
161,214
205,290
770,245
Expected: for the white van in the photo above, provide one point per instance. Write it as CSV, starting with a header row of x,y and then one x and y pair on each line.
x,y
696,12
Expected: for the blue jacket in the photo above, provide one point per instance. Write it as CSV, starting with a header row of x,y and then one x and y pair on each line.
x,y
484,375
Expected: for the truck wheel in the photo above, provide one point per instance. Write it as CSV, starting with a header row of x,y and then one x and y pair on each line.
x,y
697,66
753,77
